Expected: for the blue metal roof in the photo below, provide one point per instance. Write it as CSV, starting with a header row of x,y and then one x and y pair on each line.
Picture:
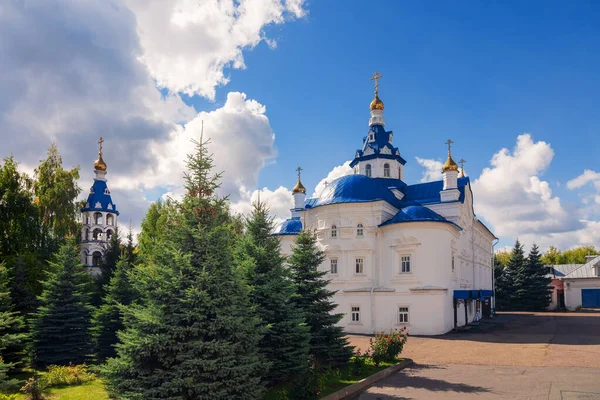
x,y
291,226
381,140
356,189
99,193
417,214
427,193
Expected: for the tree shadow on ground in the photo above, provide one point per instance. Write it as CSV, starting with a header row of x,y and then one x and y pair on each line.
x,y
410,378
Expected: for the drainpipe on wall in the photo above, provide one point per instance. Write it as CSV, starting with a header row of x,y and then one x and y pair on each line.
x,y
376,269
494,278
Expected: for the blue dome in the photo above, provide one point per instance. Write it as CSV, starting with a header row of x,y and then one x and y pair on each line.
x,y
99,199
292,226
416,214
355,189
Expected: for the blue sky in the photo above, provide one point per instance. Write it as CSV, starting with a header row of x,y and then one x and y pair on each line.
x,y
144,74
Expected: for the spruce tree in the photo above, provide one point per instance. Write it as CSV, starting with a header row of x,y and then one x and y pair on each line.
x,y
192,334
110,257
23,295
107,318
285,343
532,281
11,336
60,329
329,346
507,290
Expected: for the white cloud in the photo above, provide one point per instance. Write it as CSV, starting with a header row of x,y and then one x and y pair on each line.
x,y
188,43
433,169
279,202
335,173
588,176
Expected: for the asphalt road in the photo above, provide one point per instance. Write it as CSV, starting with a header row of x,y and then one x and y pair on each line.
x,y
518,356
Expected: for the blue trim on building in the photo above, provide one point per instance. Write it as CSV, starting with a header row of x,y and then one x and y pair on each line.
x,y
99,193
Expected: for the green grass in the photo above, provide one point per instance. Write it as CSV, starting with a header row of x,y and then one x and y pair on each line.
x,y
93,390
345,378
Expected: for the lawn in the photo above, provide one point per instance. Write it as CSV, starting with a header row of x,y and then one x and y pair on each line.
x,y
93,390
345,378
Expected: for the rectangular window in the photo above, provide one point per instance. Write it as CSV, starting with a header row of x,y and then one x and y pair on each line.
x,y
360,266
355,314
333,266
452,263
403,315
405,264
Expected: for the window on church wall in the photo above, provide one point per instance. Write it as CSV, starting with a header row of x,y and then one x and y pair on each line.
x,y
333,231
333,266
110,220
96,259
453,263
359,266
359,230
399,173
386,170
98,220
405,264
368,170
97,234
403,315
355,314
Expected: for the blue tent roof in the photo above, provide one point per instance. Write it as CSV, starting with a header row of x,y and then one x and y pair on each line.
x,y
380,141
99,199
291,226
355,189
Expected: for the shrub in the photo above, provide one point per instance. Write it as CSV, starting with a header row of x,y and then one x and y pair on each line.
x,y
387,346
358,362
67,375
314,382
33,389
8,396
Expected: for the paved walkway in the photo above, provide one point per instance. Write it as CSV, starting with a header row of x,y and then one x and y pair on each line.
x,y
522,356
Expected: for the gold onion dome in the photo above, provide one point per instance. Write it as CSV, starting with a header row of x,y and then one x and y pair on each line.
x,y
99,164
299,188
449,165
376,104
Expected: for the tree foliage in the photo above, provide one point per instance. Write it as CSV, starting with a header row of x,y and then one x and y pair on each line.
x,y
192,334
329,346
532,291
285,343
11,336
577,255
60,327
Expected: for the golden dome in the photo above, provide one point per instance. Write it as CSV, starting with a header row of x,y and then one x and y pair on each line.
x,y
376,104
449,165
99,164
299,188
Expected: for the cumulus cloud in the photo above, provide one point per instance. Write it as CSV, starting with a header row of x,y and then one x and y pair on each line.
x,y
279,202
588,176
432,169
335,173
187,44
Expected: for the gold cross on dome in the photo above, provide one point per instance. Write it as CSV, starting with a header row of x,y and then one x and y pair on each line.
x,y
376,78
448,142
100,143
299,170
462,163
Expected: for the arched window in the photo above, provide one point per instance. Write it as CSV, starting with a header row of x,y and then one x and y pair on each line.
x,y
97,259
98,218
368,170
386,170
359,230
109,234
97,235
110,220
334,231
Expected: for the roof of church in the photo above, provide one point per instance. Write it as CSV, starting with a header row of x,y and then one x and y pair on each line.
x,y
99,198
291,226
378,147
417,214
429,192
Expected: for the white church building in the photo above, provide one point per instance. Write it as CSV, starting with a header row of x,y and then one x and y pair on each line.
x,y
398,254
98,219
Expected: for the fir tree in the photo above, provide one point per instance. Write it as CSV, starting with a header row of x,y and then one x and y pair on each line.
x,y
192,334
23,295
329,346
11,335
107,319
507,295
109,261
285,343
60,327
532,281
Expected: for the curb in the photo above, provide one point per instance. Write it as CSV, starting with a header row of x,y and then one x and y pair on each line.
x,y
368,381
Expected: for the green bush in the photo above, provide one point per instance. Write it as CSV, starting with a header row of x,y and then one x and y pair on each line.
x,y
67,375
33,389
358,362
388,346
8,396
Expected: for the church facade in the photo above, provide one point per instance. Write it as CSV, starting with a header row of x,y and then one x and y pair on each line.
x,y
397,254
98,219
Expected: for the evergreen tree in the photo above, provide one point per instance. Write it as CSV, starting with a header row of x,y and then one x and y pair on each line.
x,y
532,280
11,335
329,346
60,327
109,260
285,343
107,319
192,334
23,295
507,294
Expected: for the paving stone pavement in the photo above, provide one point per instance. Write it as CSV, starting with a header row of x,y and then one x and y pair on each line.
x,y
524,356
